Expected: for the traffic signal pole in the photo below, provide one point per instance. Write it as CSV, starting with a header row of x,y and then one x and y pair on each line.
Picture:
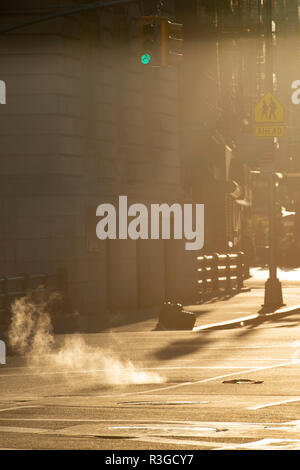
x,y
273,290
164,43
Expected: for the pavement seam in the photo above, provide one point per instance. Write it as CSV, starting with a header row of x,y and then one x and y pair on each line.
x,y
250,319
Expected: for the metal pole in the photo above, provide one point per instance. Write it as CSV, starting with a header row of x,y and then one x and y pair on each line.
x,y
272,228
273,290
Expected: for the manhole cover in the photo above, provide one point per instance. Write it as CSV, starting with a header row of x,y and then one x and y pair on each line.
x,y
242,381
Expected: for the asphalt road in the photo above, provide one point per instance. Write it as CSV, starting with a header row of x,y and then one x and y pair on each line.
x,y
225,389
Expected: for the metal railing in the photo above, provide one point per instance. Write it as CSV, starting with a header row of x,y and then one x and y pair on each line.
x,y
14,287
221,274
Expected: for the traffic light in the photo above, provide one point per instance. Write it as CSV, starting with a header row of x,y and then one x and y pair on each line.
x,y
149,34
172,43
160,41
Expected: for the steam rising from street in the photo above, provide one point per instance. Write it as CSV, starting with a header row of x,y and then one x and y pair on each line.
x,y
31,334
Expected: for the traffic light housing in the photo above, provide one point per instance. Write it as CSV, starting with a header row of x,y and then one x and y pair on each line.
x,y
172,43
149,35
160,41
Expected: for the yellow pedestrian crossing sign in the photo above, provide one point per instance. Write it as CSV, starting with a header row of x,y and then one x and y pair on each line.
x,y
269,117
268,109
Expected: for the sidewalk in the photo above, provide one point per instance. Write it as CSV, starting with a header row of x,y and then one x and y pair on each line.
x,y
240,309
245,308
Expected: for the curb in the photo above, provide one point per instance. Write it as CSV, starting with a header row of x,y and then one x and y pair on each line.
x,y
250,319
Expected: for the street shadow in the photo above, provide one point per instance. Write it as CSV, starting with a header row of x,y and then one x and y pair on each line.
x,y
292,324
264,310
210,299
115,319
182,347
189,345
219,299
288,269
223,294
264,320
199,312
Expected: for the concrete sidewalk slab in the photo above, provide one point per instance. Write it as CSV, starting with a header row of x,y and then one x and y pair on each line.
x,y
243,309
240,309
236,311
251,319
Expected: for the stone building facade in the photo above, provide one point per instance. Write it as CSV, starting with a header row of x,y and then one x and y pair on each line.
x,y
83,123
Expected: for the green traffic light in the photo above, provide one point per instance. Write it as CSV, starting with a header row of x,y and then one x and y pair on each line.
x,y
145,59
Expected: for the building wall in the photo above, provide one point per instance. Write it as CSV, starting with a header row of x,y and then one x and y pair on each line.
x,y
83,124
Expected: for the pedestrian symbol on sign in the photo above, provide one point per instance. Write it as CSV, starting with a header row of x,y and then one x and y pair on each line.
x,y
269,109
269,117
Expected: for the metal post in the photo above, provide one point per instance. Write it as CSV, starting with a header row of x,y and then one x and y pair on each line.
x,y
273,290
215,274
240,270
272,228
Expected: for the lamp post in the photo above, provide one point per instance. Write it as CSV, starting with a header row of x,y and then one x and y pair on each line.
x,y
273,289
